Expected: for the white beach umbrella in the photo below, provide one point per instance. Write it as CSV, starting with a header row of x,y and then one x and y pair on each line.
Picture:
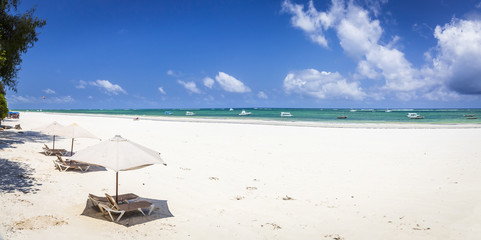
x,y
118,154
51,129
75,131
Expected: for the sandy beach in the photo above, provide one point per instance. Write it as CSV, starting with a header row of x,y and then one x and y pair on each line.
x,y
232,180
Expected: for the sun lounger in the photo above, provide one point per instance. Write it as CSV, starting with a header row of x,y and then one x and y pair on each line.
x,y
65,165
113,207
48,151
126,198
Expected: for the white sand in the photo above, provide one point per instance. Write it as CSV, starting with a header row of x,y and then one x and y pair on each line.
x,y
362,182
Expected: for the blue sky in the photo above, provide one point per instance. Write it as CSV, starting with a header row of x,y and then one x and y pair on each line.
x,y
290,53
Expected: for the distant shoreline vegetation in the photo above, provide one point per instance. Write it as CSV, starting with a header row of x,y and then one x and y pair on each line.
x,y
354,115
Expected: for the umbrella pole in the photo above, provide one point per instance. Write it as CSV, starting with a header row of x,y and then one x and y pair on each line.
x,y
71,149
53,142
116,187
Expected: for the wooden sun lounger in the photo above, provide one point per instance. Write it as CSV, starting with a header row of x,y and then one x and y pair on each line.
x,y
126,198
113,207
48,151
65,165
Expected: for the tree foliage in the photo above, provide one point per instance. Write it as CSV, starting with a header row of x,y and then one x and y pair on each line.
x,y
3,107
18,33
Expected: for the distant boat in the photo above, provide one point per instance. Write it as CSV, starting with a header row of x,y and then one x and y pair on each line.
x,y
388,110
189,113
286,114
470,116
231,109
353,110
414,116
168,113
342,117
244,113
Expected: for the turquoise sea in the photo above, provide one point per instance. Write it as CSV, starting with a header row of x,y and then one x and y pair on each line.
x,y
438,116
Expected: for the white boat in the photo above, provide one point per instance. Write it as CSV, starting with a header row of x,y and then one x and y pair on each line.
x,y
388,110
244,113
189,113
414,116
353,110
286,114
231,109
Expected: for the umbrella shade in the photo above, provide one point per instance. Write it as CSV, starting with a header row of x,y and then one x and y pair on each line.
x,y
75,131
51,129
118,154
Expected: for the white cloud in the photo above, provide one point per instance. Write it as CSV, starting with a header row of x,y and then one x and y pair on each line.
x,y
170,73
81,84
29,99
311,21
191,86
455,66
108,87
458,58
21,99
322,85
161,90
262,95
231,84
64,99
90,97
49,91
208,82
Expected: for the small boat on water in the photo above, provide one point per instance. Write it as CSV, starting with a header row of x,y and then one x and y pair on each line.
x,y
414,116
231,109
189,113
244,113
342,117
470,116
168,113
353,110
286,114
388,110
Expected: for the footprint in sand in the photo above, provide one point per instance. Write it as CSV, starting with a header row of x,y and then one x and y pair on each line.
x,y
39,222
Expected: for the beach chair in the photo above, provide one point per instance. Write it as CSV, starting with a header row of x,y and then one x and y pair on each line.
x,y
48,151
65,165
125,198
113,207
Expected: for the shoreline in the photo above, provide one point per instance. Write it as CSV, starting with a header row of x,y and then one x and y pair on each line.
x,y
380,125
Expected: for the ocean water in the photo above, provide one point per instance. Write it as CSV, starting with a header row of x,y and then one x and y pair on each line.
x,y
438,116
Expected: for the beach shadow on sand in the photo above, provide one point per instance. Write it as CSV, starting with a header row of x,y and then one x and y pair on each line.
x,y
11,137
15,176
129,219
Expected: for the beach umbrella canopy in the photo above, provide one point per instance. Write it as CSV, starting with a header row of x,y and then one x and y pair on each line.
x,y
75,131
51,129
118,154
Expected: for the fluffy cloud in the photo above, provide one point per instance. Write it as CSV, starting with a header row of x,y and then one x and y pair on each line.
x,y
161,90
322,85
108,87
262,95
81,84
49,91
311,21
231,84
459,55
453,66
191,86
15,99
208,82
